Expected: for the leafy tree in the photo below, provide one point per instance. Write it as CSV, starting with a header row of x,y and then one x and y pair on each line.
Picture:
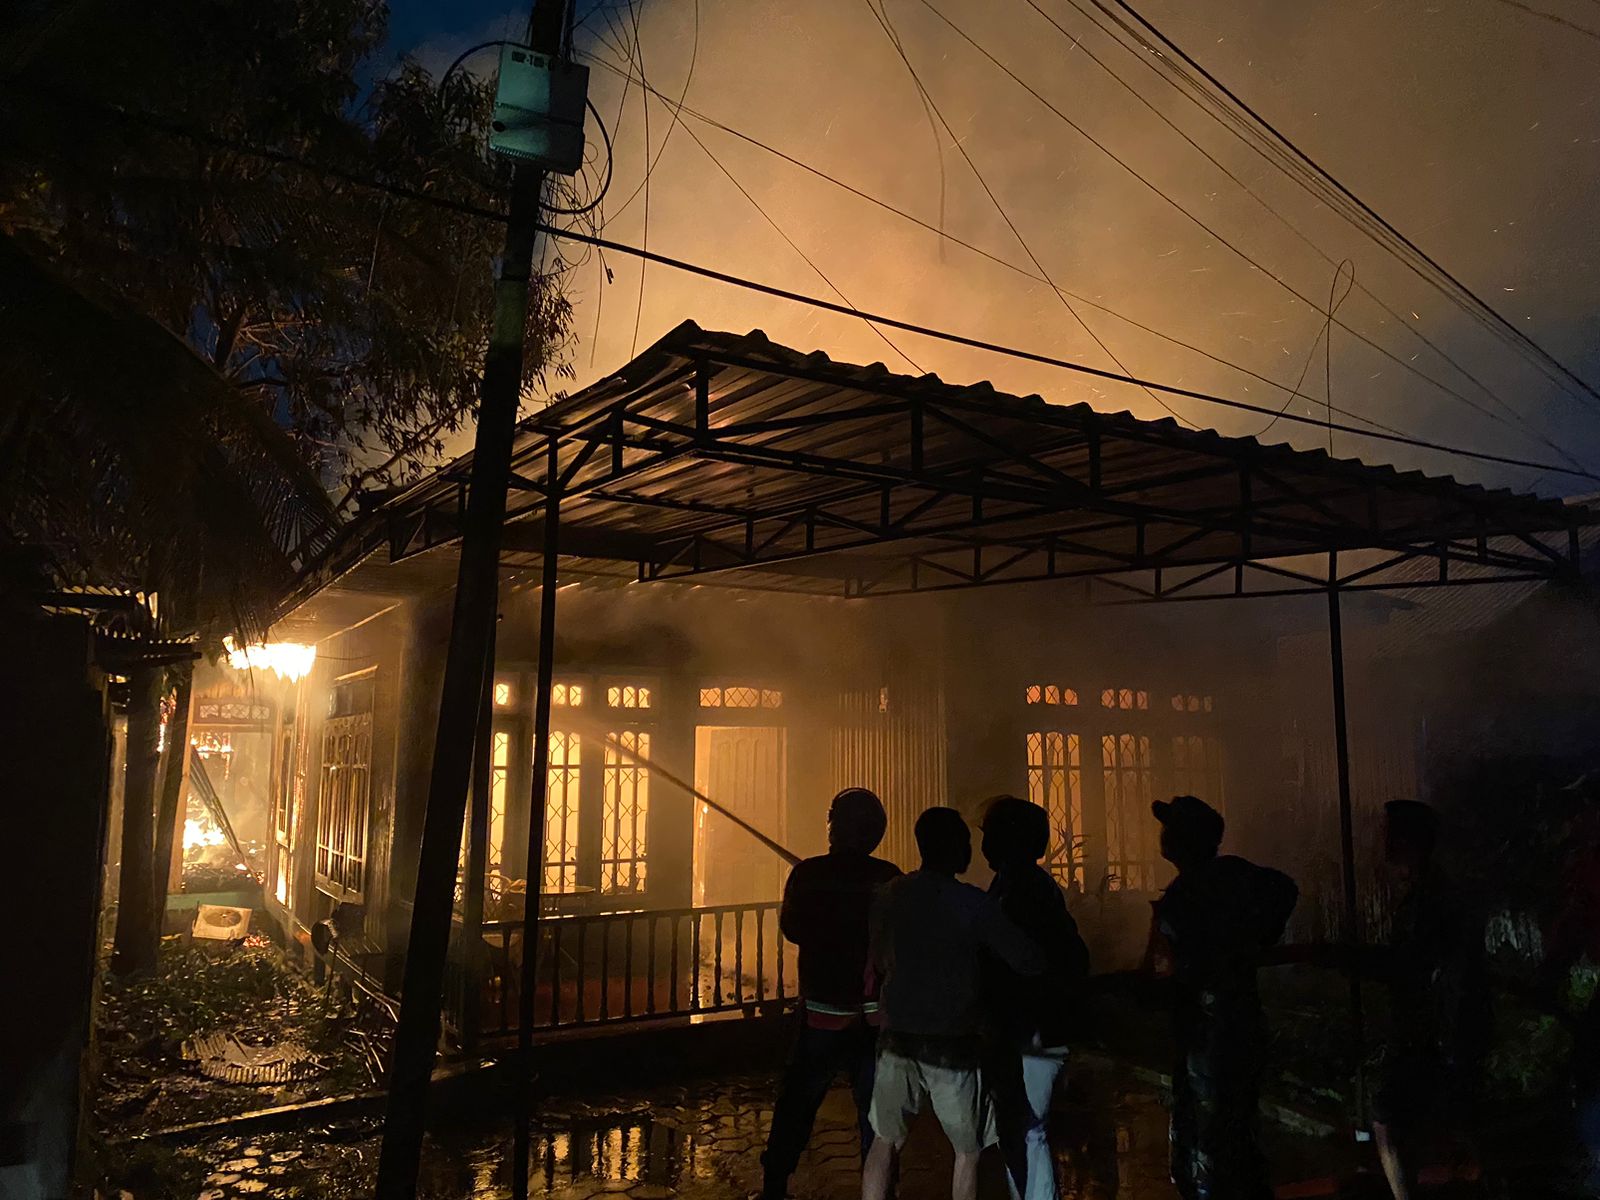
x,y
203,337
354,318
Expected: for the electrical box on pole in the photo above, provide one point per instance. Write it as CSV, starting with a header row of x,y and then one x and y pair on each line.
x,y
539,107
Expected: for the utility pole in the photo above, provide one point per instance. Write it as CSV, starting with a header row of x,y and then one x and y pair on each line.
x,y
467,665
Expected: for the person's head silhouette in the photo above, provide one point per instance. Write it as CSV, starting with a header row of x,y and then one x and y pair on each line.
x,y
1410,833
1016,833
1191,830
944,841
856,821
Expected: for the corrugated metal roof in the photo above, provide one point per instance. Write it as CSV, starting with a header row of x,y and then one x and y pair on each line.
x,y
790,470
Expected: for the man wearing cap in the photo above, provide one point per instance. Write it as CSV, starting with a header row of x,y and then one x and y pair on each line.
x,y
827,907
1210,929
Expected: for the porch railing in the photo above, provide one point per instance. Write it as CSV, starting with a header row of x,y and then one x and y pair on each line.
x,y
624,967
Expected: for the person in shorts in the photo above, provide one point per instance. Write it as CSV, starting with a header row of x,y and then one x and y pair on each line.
x,y
930,932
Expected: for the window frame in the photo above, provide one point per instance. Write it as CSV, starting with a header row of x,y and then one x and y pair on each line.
x,y
344,793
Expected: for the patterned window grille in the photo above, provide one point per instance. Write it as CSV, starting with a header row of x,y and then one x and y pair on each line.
x,y
625,812
567,695
499,783
1055,784
342,811
1050,694
502,695
1130,829
740,697
1197,768
1126,699
283,814
628,696
1191,703
561,814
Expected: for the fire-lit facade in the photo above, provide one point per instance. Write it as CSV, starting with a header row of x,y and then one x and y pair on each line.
x,y
767,705
775,581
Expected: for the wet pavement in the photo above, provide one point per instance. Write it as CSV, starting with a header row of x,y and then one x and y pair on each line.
x,y
698,1142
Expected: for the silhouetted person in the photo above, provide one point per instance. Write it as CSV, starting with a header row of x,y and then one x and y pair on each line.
x,y
1211,927
929,932
1438,997
1032,1017
1574,934
827,908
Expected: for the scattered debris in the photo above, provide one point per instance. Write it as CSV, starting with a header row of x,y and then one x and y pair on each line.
x,y
223,1056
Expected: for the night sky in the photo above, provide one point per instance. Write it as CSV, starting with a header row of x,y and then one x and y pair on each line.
x,y
1472,126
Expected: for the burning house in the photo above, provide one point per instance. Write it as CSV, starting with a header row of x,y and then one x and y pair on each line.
x,y
775,579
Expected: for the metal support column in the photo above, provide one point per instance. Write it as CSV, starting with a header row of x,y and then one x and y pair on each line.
x,y
1347,847
539,798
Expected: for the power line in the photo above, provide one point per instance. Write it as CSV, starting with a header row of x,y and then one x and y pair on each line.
x,y
1021,271
1221,238
1552,17
1460,369
894,40
1484,312
793,245
649,169
1046,359
1334,301
602,243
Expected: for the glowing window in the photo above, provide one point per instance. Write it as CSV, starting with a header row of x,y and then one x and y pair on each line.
x,y
625,813
1192,703
628,696
1051,694
1197,768
1055,784
740,697
502,695
499,778
342,808
561,814
1130,829
883,699
1124,698
567,695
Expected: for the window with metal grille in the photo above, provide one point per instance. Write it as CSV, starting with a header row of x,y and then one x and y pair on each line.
x,y
346,791
740,697
502,694
1197,768
625,812
499,783
567,695
1051,694
1130,828
1125,698
1190,703
628,696
283,813
1055,784
561,814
